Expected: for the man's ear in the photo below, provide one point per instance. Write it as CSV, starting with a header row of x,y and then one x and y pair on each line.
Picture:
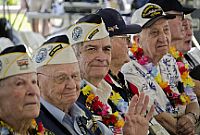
x,y
136,39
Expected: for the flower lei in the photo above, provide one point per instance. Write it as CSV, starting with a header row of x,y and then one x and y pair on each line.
x,y
36,129
183,67
97,107
175,98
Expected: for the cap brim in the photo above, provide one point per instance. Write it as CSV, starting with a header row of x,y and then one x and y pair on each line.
x,y
187,10
132,29
153,20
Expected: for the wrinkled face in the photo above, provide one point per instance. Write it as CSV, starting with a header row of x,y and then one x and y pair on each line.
x,y
95,57
187,45
176,28
19,97
120,50
155,39
60,84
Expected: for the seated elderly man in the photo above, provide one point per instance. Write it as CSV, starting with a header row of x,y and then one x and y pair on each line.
x,y
91,43
120,42
59,81
19,94
160,81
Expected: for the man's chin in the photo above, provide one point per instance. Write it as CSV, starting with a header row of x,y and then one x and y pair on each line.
x,y
187,48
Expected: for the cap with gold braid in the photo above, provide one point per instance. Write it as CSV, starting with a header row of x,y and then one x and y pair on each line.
x,y
14,60
90,27
148,15
55,51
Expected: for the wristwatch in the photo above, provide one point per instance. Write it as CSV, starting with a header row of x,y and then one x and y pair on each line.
x,y
196,117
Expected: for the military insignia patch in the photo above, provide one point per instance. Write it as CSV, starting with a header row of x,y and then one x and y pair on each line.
x,y
42,54
93,33
23,63
1,65
77,33
113,28
55,49
152,11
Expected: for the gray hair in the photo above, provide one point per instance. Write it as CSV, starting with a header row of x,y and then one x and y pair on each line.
x,y
76,47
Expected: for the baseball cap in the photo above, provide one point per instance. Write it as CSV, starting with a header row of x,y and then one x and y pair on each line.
x,y
172,5
115,24
149,14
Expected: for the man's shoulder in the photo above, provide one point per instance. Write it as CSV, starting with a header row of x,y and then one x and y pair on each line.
x,y
130,67
50,122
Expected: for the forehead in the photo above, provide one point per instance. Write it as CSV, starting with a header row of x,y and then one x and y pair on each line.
x,y
159,24
174,12
66,68
100,42
25,76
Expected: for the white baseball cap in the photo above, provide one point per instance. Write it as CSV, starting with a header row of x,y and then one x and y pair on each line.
x,y
149,14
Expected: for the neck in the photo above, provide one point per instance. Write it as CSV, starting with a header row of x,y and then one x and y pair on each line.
x,y
115,68
19,126
176,42
94,81
153,59
63,107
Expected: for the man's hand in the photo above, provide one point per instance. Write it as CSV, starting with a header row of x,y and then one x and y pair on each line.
x,y
136,121
186,125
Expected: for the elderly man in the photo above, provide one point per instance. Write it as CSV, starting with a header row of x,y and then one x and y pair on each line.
x,y
91,43
176,25
19,94
159,81
180,27
120,41
181,41
59,81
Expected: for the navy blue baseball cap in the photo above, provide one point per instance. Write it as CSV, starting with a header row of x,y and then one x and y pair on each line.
x,y
115,24
172,5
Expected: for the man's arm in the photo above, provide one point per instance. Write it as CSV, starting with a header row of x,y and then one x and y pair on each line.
x,y
186,123
167,121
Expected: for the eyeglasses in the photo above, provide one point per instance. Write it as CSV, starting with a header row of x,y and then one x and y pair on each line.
x,y
61,78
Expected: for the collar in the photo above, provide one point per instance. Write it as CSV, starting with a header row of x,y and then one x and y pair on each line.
x,y
103,90
57,113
